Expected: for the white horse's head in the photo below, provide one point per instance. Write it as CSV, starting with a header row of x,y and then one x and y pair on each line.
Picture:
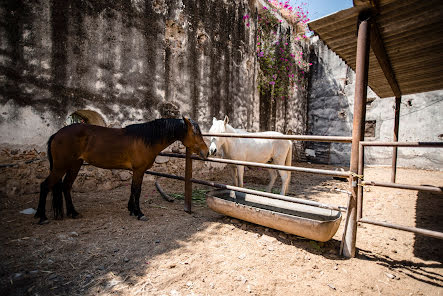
x,y
218,126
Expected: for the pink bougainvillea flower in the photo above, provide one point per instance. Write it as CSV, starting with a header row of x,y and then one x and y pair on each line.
x,y
272,82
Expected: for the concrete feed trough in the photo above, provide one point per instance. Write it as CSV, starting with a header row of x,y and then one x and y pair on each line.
x,y
303,220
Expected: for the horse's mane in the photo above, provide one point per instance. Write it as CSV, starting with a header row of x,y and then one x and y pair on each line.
x,y
160,130
235,130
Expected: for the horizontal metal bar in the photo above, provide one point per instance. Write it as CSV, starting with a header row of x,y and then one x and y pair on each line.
x,y
422,231
263,165
338,139
250,191
403,144
404,186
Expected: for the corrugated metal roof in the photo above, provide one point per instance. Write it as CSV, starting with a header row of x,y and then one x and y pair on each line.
x,y
412,33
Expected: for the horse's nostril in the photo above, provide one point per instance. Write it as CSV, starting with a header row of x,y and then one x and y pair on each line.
x,y
215,151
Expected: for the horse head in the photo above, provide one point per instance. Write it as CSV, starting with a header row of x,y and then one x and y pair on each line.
x,y
194,139
218,127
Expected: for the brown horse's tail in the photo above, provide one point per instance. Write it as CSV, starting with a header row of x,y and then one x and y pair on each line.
x,y
50,152
57,190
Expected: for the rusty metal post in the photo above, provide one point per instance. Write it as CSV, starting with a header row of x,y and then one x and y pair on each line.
x,y
361,85
395,139
188,183
361,171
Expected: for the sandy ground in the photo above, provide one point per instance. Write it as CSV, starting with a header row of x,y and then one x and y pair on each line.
x,y
204,253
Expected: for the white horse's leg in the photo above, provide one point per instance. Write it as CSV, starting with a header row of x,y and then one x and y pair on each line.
x,y
235,175
273,175
285,178
241,173
286,175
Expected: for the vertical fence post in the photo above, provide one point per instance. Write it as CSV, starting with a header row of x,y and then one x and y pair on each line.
x,y
361,171
395,139
361,84
188,183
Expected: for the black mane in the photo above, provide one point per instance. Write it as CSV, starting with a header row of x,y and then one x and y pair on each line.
x,y
160,130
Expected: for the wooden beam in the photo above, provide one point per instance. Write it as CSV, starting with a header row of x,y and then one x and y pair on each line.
x,y
385,64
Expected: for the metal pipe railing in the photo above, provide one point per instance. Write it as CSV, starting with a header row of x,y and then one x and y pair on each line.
x,y
338,139
402,144
263,165
392,184
251,191
403,186
421,231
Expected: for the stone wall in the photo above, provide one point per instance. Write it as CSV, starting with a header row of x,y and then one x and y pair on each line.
x,y
122,62
330,112
121,59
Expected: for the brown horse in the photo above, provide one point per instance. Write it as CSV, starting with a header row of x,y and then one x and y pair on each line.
x,y
132,148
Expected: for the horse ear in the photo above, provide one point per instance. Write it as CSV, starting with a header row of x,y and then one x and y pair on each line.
x,y
188,123
214,120
226,119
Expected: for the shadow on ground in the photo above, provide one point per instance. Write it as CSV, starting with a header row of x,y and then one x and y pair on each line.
x,y
429,215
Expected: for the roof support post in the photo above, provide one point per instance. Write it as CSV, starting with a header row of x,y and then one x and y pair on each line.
x,y
188,183
395,138
361,86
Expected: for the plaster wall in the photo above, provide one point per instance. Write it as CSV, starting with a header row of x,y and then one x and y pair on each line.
x,y
330,112
123,59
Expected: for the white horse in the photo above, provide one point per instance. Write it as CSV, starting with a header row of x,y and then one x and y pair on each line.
x,y
256,150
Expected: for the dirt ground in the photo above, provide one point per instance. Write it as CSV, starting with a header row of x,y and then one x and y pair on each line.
x,y
107,252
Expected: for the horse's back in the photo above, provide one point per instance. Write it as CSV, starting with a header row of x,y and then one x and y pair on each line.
x,y
80,134
270,142
101,146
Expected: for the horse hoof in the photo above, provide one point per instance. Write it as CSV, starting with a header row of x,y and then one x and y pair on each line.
x,y
43,221
143,218
76,216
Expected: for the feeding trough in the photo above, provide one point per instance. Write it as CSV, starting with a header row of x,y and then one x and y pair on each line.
x,y
303,220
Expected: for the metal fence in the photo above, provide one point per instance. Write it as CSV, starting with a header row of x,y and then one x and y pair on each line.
x,y
355,179
189,158
363,182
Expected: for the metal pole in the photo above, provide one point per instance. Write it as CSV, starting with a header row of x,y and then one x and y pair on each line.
x,y
361,170
421,231
309,138
188,183
255,192
395,139
404,144
264,165
404,186
361,84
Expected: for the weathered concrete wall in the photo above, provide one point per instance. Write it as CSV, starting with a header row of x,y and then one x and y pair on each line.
x,y
421,119
330,112
122,59
126,61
